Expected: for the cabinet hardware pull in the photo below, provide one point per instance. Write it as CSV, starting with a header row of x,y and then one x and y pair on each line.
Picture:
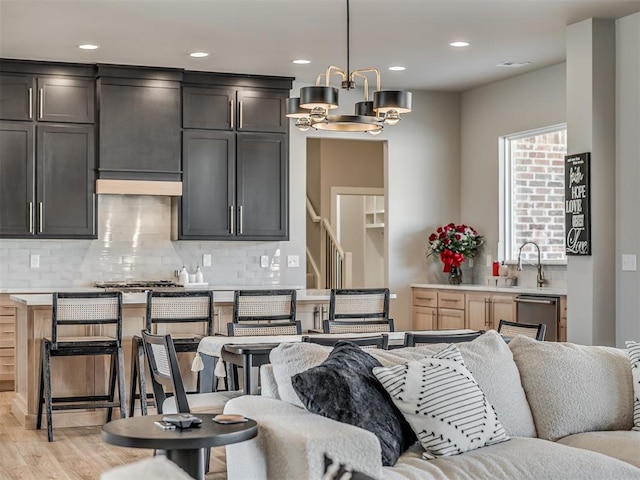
x,y
41,110
41,215
231,209
30,103
30,217
231,113
425,298
240,114
531,300
241,227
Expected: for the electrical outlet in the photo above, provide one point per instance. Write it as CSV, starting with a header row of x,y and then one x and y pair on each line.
x,y
293,261
628,263
206,260
264,261
34,261
489,262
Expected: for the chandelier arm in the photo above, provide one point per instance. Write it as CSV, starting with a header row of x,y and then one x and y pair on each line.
x,y
338,71
360,71
356,73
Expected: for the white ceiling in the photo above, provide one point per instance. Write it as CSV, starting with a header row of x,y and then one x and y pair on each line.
x,y
263,36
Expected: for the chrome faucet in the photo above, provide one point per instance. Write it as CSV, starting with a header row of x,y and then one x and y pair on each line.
x,y
540,278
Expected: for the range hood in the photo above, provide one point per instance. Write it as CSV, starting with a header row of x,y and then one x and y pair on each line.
x,y
139,187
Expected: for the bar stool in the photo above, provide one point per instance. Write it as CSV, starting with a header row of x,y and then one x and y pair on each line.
x,y
83,310
358,311
169,308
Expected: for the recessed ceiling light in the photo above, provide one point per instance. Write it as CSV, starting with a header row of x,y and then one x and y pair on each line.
x,y
301,61
88,46
397,68
459,44
199,54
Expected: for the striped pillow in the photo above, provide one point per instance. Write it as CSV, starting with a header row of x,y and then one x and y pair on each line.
x,y
633,349
442,402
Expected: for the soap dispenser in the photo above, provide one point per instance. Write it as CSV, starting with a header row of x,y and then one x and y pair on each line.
x,y
183,276
199,275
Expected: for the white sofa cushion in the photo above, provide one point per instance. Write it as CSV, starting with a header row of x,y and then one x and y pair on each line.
x,y
443,404
633,349
574,388
289,359
621,444
517,459
156,468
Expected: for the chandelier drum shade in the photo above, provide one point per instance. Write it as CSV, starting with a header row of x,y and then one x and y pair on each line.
x,y
311,109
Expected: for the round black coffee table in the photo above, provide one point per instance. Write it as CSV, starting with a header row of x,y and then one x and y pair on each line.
x,y
184,447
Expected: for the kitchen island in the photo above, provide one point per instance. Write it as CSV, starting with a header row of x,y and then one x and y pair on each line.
x,y
89,375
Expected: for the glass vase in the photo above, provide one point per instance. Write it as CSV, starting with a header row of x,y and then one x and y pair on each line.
x,y
455,275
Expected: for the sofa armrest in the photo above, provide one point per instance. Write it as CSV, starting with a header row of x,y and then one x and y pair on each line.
x,y
291,442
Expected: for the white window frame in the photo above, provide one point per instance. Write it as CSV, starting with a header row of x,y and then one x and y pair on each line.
x,y
505,182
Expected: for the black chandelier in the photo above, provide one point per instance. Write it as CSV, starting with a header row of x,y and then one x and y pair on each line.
x,y
311,108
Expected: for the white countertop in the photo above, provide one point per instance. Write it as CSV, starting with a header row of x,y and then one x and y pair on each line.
x,y
484,288
30,290
219,296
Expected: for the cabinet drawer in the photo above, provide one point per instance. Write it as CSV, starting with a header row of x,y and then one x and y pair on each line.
x,y
6,311
8,362
9,326
425,298
7,338
451,300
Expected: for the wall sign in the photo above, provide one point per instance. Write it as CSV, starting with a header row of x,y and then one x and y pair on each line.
x,y
577,213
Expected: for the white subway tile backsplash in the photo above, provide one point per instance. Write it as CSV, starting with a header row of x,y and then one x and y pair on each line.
x,y
133,243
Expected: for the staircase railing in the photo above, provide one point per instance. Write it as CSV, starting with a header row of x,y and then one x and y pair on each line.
x,y
335,264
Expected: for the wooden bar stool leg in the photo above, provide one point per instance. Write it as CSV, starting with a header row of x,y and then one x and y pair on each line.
x,y
135,350
46,365
112,385
121,391
40,390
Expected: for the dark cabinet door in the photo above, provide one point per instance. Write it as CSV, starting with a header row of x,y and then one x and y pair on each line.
x,y
140,130
65,181
262,184
66,99
16,179
208,108
16,97
208,185
262,111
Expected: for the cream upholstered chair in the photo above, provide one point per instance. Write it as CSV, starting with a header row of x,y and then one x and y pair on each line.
x,y
84,310
532,330
194,307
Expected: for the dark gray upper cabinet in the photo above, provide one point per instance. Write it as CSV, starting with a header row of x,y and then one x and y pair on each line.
x,y
208,182
139,129
47,185
262,183
262,111
47,98
208,108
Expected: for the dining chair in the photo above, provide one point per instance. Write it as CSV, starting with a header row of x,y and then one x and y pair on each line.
x,y
83,316
377,341
168,386
531,330
264,306
418,339
351,326
170,308
366,304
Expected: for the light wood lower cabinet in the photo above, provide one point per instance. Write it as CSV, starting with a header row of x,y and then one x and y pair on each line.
x,y
7,343
484,311
562,331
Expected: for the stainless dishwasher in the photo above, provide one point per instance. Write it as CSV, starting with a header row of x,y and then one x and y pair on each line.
x,y
540,309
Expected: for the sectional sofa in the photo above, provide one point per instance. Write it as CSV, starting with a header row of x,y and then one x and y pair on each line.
x,y
568,412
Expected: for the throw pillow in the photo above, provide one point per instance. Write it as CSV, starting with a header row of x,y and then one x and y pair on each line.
x,y
339,471
633,349
443,404
344,388
574,388
289,359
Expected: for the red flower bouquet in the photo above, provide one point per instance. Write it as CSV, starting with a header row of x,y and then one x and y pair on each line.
x,y
454,243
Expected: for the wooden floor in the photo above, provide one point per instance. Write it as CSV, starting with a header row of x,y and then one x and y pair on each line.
x,y
77,452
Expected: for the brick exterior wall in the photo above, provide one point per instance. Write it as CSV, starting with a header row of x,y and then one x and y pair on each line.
x,y
537,171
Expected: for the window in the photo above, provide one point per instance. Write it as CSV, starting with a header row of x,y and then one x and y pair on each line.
x,y
532,200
